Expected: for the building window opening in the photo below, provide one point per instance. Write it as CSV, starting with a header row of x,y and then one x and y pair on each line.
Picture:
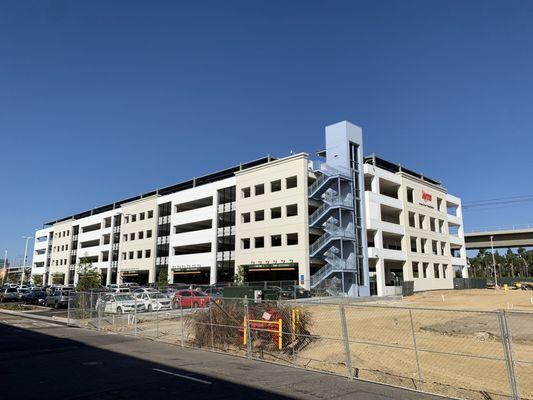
x,y
275,186
275,240
291,182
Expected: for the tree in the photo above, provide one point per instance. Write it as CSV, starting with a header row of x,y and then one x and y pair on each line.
x,y
88,276
239,276
38,280
162,279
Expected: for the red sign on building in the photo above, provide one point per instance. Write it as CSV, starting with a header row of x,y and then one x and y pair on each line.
x,y
426,196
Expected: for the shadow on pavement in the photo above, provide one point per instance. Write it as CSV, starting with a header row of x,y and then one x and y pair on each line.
x,y
40,366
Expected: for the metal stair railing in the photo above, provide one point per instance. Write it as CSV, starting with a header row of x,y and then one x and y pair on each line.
x,y
331,233
333,264
327,173
331,202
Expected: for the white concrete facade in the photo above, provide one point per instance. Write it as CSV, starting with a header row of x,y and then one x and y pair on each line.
x,y
408,231
367,221
194,225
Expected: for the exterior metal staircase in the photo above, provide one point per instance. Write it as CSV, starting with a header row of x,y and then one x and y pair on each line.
x,y
325,247
327,175
331,202
333,264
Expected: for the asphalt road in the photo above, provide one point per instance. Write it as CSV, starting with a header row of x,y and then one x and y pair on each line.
x,y
43,360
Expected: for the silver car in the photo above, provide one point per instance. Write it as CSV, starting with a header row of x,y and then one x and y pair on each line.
x,y
9,294
118,303
154,301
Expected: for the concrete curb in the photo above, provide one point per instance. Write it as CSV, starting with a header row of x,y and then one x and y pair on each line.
x,y
26,314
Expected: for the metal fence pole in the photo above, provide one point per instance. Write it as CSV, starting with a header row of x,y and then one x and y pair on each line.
x,y
98,314
156,324
346,341
211,327
182,326
68,308
415,347
247,328
135,316
508,352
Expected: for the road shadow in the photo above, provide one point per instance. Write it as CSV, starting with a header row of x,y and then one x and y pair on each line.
x,y
36,365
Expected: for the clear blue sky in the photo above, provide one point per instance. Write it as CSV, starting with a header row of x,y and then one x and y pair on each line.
x,y
101,100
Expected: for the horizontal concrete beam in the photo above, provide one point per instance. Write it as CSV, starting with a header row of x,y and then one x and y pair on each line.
x,y
502,239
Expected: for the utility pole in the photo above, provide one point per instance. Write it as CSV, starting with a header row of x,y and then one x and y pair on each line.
x,y
4,273
494,263
24,260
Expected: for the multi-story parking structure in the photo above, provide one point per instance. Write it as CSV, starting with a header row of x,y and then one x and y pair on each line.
x,y
346,224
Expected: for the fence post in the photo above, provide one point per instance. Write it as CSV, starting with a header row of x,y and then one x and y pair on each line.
x,y
182,326
415,347
68,308
346,339
98,314
247,330
135,316
508,352
156,324
211,327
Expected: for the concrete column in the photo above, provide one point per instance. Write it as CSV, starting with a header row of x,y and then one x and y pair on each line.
x,y
170,275
380,276
109,271
375,184
151,274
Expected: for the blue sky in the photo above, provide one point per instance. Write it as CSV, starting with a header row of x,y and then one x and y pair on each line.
x,y
102,100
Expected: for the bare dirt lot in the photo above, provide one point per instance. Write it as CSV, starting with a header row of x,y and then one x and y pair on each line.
x,y
457,336
458,339
472,299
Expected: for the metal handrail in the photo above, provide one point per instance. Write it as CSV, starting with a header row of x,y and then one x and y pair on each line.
x,y
331,266
331,234
501,228
335,201
328,172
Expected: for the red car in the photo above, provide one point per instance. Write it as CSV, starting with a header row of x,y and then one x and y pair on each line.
x,y
190,299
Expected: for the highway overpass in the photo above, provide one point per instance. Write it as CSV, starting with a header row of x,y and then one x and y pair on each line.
x,y
503,237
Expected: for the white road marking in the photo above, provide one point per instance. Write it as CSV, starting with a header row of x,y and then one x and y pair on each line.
x,y
182,376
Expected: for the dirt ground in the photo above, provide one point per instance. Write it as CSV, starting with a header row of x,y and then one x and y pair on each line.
x,y
457,334
472,299
460,353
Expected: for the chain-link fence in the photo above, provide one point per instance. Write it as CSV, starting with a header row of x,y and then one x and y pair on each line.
x,y
456,353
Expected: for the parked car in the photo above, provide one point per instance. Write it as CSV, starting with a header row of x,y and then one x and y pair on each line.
x,y
295,292
21,292
118,303
190,299
213,291
168,293
131,285
58,298
9,294
153,300
179,286
35,296
120,289
145,290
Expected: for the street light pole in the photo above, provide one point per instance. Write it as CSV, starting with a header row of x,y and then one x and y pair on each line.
x,y
494,263
4,272
525,264
24,261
